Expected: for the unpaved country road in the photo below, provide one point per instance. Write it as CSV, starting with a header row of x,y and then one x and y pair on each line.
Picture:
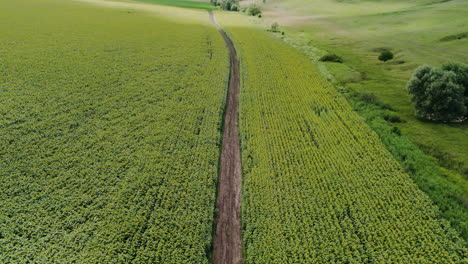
x,y
227,241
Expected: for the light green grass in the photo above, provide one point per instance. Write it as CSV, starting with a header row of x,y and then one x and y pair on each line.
x,y
109,133
182,3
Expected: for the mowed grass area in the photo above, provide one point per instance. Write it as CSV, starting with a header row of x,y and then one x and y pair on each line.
x,y
109,133
318,184
358,30
197,4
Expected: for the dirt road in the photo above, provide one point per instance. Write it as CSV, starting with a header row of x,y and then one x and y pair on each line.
x,y
227,242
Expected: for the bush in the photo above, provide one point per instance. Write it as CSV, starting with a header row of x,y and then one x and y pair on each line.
x,y
386,55
235,7
332,58
392,117
274,27
436,93
254,10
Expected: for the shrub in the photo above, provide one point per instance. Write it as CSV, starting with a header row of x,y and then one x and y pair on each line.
x,y
254,10
436,94
332,58
392,117
235,7
386,55
274,27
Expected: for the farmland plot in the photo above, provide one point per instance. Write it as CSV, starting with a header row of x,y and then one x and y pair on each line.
x,y
318,185
109,133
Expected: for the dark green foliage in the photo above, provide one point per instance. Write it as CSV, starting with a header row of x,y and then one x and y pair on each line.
x,y
254,10
230,5
392,117
396,131
235,7
437,94
385,55
331,58
461,76
455,36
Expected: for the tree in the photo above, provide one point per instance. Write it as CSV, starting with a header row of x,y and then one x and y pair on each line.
x,y
231,5
254,10
386,55
461,72
436,94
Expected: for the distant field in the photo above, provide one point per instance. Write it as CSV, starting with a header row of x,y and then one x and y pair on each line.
x,y
109,132
183,3
318,184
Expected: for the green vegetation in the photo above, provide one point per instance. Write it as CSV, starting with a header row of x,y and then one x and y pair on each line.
x,y
109,133
318,184
447,189
274,27
437,94
229,5
182,3
461,77
331,58
254,10
455,37
413,30
386,55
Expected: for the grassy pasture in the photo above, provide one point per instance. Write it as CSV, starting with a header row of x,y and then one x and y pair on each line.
x,y
318,184
109,133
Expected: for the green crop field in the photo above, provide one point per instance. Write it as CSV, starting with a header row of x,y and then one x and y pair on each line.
x,y
119,122
418,32
109,132
413,30
182,3
318,185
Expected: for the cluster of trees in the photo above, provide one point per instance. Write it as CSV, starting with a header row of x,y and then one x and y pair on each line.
x,y
230,5
233,5
440,94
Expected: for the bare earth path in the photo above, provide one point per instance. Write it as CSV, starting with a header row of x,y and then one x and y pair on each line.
x,y
227,242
